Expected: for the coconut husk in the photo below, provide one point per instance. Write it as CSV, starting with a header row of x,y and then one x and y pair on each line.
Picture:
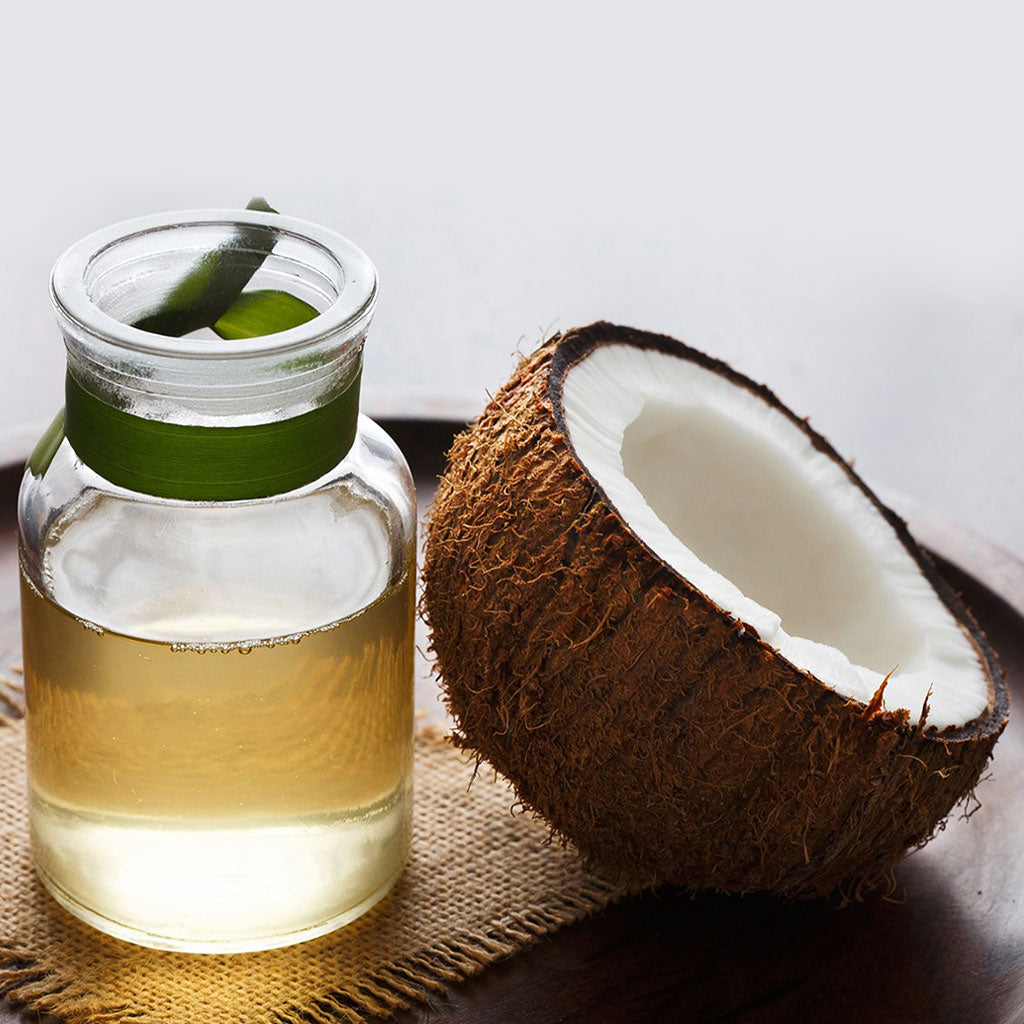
x,y
660,736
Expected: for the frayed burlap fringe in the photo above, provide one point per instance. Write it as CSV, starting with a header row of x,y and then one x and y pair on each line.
x,y
481,885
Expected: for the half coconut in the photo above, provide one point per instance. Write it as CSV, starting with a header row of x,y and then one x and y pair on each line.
x,y
685,629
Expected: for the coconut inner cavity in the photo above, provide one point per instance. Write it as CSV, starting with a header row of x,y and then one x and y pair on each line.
x,y
732,495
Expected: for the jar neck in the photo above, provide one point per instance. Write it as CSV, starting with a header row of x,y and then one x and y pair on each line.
x,y
214,392
200,417
202,463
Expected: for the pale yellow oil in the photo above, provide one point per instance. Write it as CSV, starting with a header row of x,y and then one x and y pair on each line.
x,y
219,797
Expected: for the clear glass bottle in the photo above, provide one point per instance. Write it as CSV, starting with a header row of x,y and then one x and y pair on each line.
x,y
219,688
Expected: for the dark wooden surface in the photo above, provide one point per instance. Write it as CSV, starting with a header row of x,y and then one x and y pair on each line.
x,y
950,948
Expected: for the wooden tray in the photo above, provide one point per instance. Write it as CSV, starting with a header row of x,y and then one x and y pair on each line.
x,y
950,949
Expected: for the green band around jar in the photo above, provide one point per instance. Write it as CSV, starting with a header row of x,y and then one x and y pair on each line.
x,y
194,463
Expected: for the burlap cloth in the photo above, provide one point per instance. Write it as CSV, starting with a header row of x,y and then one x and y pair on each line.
x,y
481,884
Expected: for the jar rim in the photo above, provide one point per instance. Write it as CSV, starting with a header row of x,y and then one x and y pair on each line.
x,y
348,313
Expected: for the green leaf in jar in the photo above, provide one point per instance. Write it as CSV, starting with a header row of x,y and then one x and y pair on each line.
x,y
210,288
263,311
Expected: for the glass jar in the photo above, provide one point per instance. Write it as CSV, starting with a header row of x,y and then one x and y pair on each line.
x,y
218,566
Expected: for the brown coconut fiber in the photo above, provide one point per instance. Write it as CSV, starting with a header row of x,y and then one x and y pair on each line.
x,y
481,884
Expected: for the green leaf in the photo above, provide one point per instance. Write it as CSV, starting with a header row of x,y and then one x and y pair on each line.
x,y
46,447
263,311
200,463
210,463
209,289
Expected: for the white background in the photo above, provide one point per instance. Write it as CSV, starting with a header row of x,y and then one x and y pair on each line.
x,y
826,195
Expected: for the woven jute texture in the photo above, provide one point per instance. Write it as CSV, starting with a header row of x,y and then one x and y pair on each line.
x,y
481,884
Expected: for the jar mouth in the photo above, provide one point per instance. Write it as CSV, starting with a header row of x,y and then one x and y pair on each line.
x,y
345,281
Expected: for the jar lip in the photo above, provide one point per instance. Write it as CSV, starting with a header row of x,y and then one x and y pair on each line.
x,y
348,313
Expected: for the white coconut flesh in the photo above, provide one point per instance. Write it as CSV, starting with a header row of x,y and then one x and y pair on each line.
x,y
732,495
